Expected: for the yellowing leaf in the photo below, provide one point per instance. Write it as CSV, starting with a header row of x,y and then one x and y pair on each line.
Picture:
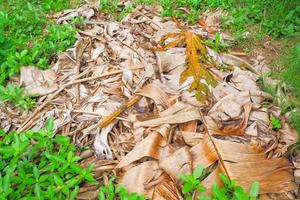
x,y
196,58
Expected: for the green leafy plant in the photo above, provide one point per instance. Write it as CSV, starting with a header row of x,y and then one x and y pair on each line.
x,y
111,7
128,9
228,191
108,6
192,183
40,165
27,37
231,191
146,2
16,96
275,123
113,192
216,44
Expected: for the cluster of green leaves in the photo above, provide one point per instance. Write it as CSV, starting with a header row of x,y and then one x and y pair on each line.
x,y
191,11
40,165
228,191
111,7
216,44
113,192
15,96
275,123
27,37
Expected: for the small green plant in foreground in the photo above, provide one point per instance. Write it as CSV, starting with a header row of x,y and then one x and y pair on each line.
x,y
112,192
228,191
275,123
192,183
40,165
216,44
16,96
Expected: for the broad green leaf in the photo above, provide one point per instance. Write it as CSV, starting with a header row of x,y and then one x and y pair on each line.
x,y
240,194
183,177
60,139
226,181
50,124
201,188
36,173
73,182
204,197
74,193
254,190
187,187
37,191
58,180
219,193
101,196
198,171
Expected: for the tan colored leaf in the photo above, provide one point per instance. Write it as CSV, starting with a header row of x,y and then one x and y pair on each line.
x,y
177,163
136,178
189,126
191,138
246,163
236,61
240,129
166,189
38,82
178,113
153,146
154,92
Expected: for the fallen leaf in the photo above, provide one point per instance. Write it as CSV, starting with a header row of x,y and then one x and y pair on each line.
x,y
196,57
153,146
177,163
173,115
246,163
38,82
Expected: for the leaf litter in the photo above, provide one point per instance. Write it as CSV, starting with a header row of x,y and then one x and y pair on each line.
x,y
135,112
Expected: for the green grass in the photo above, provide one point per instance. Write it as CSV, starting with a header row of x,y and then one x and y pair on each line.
x,y
16,96
267,17
110,7
40,165
286,92
27,37
112,192
291,76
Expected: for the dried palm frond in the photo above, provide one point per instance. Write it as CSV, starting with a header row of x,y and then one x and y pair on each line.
x,y
245,163
196,58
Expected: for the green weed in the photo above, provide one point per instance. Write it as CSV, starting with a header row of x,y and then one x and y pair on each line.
x,y
295,119
216,44
275,123
40,165
228,191
192,183
291,72
112,192
144,2
110,7
277,18
16,96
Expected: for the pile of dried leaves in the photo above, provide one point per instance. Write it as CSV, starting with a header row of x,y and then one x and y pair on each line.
x,y
127,94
